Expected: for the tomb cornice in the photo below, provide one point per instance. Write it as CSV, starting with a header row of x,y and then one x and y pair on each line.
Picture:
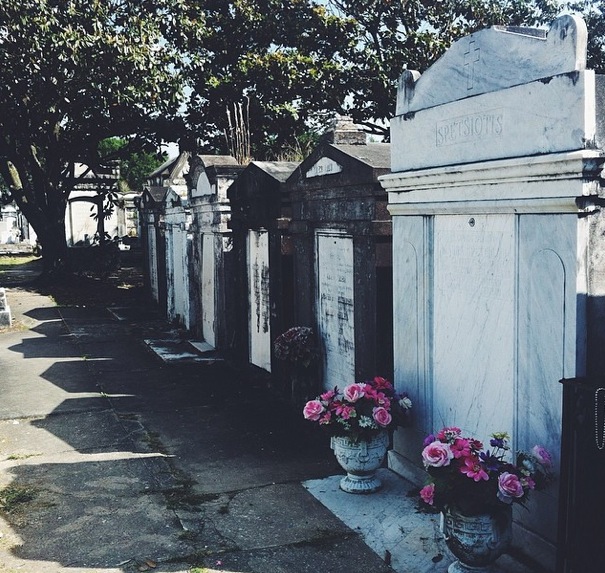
x,y
543,183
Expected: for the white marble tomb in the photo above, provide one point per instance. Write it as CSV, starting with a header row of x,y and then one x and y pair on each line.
x,y
490,243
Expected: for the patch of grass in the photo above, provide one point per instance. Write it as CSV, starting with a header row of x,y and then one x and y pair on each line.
x,y
22,456
185,498
15,496
9,262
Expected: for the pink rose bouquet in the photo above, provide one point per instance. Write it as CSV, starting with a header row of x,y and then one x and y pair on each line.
x,y
464,474
361,410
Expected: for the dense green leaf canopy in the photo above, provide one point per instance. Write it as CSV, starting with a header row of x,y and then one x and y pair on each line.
x,y
76,72
73,73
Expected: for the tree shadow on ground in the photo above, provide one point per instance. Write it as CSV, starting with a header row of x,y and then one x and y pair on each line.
x,y
123,286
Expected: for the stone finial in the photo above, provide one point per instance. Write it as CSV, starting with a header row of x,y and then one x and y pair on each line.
x,y
5,311
344,132
405,90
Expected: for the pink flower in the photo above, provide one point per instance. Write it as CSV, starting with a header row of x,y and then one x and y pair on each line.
x,y
472,468
382,416
382,383
353,392
325,419
313,410
461,448
327,396
345,411
427,493
379,397
509,485
437,455
447,434
475,445
542,455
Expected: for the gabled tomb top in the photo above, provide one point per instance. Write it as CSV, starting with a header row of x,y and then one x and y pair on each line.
x,y
493,59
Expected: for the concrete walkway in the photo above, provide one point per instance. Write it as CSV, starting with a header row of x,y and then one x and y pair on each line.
x,y
113,461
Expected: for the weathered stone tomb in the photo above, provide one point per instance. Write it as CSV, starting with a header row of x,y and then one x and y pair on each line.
x,y
497,233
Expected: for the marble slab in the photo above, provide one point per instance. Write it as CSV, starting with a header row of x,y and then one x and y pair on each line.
x,y
259,304
474,327
475,64
208,283
5,311
509,123
390,523
335,310
176,351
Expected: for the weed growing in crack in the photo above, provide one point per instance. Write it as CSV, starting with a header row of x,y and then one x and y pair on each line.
x,y
14,496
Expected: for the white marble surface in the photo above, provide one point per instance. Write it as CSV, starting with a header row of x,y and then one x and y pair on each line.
x,y
325,166
259,304
412,265
208,281
511,122
389,523
499,186
473,322
177,264
488,242
474,64
335,307
550,325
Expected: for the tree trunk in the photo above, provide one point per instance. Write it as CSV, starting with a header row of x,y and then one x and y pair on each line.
x,y
54,248
49,224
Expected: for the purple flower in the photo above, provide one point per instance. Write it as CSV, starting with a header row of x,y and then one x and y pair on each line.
x,y
491,462
542,455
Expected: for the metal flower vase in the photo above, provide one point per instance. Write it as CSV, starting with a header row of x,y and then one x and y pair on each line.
x,y
477,540
360,459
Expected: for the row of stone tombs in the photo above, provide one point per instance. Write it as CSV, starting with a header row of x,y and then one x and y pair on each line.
x,y
474,252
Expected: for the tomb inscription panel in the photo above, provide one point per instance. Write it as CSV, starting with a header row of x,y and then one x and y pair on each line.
x,y
499,125
473,322
258,288
335,299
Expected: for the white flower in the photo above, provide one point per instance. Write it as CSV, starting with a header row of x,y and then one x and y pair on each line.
x,y
367,422
405,403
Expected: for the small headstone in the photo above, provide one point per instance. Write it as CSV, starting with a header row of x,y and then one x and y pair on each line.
x,y
5,311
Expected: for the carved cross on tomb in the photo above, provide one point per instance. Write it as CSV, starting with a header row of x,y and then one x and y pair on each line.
x,y
471,57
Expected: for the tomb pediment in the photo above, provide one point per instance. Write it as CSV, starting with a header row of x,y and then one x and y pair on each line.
x,y
325,166
498,94
475,64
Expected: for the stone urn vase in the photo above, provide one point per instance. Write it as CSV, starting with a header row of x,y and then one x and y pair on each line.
x,y
478,540
360,459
